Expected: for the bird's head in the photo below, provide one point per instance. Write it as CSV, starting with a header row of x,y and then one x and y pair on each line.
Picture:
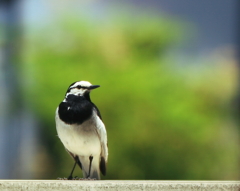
x,y
80,88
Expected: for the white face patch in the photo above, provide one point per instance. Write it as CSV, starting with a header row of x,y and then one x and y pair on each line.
x,y
79,88
76,91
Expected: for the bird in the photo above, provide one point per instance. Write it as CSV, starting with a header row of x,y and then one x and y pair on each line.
x,y
81,130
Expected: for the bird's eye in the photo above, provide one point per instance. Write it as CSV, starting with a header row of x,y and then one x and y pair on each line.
x,y
79,87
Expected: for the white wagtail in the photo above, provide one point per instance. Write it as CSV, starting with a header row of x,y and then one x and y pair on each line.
x,y
81,130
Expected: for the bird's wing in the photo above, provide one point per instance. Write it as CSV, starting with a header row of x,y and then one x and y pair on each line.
x,y
97,110
102,133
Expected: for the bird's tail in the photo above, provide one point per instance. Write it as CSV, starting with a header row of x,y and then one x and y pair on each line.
x,y
95,171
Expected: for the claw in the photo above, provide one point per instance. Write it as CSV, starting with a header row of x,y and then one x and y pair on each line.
x,y
70,178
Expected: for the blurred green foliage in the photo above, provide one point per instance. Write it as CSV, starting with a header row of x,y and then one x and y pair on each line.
x,y
161,123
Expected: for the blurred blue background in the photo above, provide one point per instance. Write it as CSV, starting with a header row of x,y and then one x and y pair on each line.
x,y
169,92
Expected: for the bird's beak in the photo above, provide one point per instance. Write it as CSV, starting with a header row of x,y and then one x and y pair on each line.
x,y
93,87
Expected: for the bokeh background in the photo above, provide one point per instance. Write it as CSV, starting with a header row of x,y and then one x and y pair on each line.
x,y
169,93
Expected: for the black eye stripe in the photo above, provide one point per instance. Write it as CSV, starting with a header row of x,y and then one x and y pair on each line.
x,y
79,87
83,87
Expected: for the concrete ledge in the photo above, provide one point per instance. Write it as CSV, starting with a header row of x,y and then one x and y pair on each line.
x,y
112,185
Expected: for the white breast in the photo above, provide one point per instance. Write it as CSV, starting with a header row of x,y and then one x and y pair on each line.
x,y
81,140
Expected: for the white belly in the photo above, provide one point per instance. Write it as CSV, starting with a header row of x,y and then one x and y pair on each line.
x,y
81,140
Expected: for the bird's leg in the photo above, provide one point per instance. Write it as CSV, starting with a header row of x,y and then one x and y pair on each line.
x,y
90,165
70,176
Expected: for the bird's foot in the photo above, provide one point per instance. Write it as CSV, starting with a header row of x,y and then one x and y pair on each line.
x,y
69,178
76,178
